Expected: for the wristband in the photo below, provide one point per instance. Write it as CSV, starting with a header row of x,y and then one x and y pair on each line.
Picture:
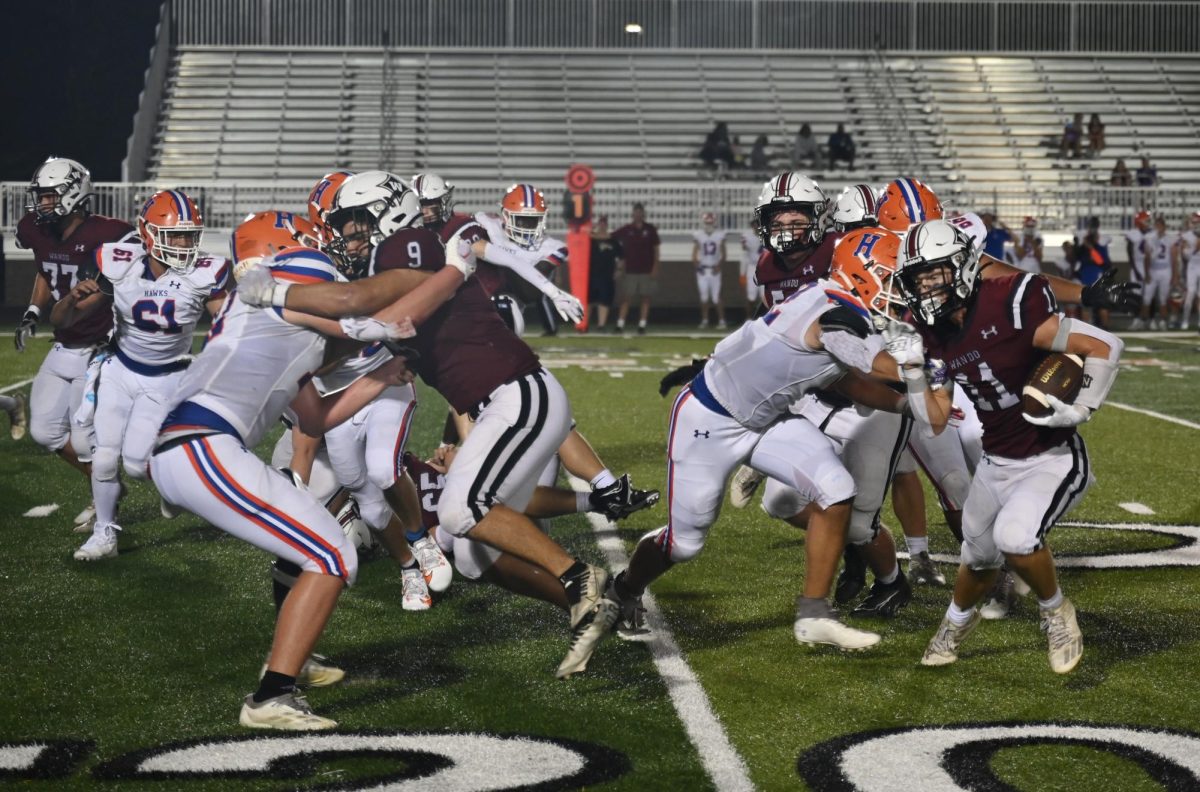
x,y
33,309
279,294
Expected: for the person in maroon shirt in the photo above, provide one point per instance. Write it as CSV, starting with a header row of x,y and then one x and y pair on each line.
x,y
463,350
63,236
992,333
642,247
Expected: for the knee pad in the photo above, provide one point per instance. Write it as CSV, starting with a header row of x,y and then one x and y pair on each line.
x,y
106,464
136,468
781,501
381,475
836,483
454,515
1014,540
472,558
956,484
862,527
48,436
375,511
981,553
685,547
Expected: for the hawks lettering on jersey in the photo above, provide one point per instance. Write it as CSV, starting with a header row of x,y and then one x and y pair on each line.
x,y
992,355
779,282
60,263
156,316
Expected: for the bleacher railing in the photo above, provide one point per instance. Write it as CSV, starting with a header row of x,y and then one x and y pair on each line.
x,y
675,207
928,25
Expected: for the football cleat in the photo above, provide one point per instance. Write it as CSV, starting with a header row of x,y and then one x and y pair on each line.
x,y
167,509
289,712
1065,638
631,623
433,563
18,423
1001,598
744,485
85,517
592,617
100,545
818,623
316,672
943,648
885,599
923,571
415,591
619,499
853,577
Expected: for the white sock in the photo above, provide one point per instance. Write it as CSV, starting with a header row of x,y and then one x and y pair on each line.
x,y
917,544
957,616
105,495
890,577
641,323
620,323
603,479
1055,600
583,502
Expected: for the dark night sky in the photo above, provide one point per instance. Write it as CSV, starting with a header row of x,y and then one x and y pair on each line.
x,y
72,72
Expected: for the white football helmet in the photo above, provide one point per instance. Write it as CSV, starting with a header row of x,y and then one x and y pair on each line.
x,y
379,201
68,179
938,270
434,191
791,192
855,208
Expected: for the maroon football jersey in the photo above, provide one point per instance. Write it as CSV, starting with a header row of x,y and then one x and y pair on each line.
x,y
465,351
779,283
60,262
429,487
490,277
992,355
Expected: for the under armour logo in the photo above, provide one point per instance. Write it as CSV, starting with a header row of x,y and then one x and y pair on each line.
x,y
80,248
989,332
809,269
698,433
175,284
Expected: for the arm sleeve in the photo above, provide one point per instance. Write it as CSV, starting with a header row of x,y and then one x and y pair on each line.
x,y
522,265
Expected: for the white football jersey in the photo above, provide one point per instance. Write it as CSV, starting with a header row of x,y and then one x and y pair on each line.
x,y
761,368
1029,262
550,248
751,250
1190,251
1136,237
1160,247
709,248
972,225
351,369
155,317
254,363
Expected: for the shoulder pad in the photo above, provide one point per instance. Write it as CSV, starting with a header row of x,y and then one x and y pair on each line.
x,y
117,259
845,319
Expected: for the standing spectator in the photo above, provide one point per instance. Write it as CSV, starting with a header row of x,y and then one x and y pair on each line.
x,y
997,235
841,147
1072,137
735,152
1095,132
602,271
717,147
1027,248
1147,174
640,242
759,161
708,258
1068,268
1121,176
806,150
1092,260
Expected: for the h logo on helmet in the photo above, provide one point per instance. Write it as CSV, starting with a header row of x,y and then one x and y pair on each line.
x,y
866,244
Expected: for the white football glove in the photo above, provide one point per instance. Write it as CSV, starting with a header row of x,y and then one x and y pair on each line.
x,y
258,287
567,305
904,344
460,256
366,328
1064,415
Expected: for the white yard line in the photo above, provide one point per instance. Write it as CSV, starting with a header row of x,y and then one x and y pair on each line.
x,y
724,765
1136,508
1152,414
15,385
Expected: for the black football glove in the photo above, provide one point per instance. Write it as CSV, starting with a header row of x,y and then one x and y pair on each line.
x,y
1107,292
27,329
680,376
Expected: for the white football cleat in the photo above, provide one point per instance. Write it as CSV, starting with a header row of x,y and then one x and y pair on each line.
x,y
833,632
1001,598
1065,637
100,545
168,510
415,591
85,517
18,423
943,647
744,485
432,561
316,672
586,635
289,712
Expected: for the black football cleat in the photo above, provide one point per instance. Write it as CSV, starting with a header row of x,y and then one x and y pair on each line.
x,y
619,499
885,599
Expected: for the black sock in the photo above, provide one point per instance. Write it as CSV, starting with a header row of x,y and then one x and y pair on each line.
x,y
568,578
274,684
623,589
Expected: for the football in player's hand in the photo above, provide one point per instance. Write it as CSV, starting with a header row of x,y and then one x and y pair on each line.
x,y
1059,375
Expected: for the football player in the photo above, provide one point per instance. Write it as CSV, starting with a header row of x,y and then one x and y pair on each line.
x,y
1160,272
157,288
708,259
63,236
752,249
992,333
1189,257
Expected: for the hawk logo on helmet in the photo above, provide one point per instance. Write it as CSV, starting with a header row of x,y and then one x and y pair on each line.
x,y
170,226
906,202
523,211
368,208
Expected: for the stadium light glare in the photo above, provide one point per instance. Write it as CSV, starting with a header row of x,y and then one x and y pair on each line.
x,y
633,27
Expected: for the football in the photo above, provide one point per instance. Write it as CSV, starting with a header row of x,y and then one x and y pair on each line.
x,y
1059,375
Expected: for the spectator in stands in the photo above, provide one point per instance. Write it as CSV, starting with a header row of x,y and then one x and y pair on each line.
x,y
1147,174
806,150
1121,176
735,152
640,242
1095,131
759,161
841,147
1072,137
997,236
602,271
717,147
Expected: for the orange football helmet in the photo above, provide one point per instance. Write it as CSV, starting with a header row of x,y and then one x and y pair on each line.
x,y
1141,220
320,203
170,226
863,263
524,213
906,202
267,233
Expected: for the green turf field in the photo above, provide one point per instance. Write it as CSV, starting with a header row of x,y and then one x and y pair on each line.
x,y
111,662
